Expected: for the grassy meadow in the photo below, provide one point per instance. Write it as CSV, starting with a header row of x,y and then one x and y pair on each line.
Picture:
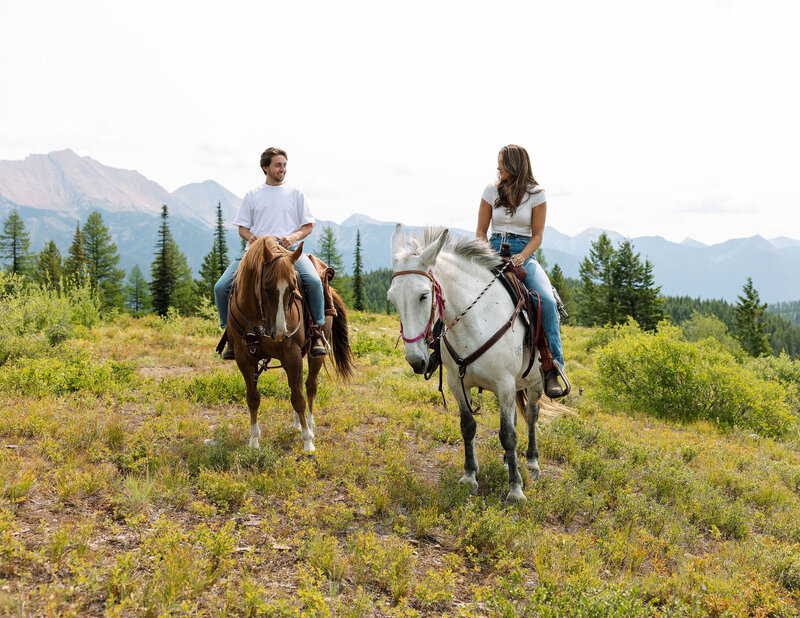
x,y
113,503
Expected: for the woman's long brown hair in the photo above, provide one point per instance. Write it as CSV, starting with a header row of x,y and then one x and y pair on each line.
x,y
512,191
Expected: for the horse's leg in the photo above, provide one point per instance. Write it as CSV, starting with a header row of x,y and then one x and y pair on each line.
x,y
508,438
314,365
294,373
253,397
468,429
531,416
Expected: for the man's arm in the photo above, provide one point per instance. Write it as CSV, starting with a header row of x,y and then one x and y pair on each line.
x,y
288,241
244,232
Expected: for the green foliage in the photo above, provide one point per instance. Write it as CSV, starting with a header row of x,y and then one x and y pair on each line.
x,y
75,264
136,290
15,244
327,250
749,323
660,375
71,371
358,276
559,282
616,285
783,335
48,270
34,319
699,327
101,261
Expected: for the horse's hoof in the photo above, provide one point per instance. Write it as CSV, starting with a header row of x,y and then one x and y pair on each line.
x,y
533,469
516,495
469,480
309,448
254,443
296,422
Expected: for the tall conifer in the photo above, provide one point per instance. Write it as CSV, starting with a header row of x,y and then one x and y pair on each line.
x,y
15,244
358,277
163,276
101,261
750,323
49,267
75,265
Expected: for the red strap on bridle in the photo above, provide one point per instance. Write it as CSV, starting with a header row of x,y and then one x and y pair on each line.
x,y
436,303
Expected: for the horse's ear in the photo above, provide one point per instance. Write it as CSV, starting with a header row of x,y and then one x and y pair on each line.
x,y
428,256
398,239
297,253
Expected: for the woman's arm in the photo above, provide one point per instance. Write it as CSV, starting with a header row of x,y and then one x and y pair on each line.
x,y
484,219
538,216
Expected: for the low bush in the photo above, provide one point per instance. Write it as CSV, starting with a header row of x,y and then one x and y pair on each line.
x,y
661,375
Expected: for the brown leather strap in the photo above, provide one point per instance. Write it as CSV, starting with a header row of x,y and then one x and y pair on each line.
x,y
463,363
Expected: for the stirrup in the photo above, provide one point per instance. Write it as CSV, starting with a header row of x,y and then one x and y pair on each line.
x,y
317,330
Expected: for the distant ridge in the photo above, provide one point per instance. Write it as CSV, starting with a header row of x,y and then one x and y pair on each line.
x,y
54,191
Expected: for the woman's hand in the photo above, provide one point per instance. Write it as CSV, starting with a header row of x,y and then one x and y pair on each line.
x,y
517,260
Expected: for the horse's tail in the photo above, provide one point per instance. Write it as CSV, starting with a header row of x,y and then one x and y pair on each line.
x,y
522,401
343,361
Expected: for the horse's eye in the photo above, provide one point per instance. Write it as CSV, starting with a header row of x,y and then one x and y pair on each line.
x,y
423,297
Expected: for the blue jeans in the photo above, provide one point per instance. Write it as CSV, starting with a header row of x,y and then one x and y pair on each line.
x,y
537,280
308,274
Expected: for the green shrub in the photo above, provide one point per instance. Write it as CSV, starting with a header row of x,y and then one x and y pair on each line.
x,y
661,375
34,319
68,372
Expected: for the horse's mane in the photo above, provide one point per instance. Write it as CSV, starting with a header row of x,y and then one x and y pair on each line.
x,y
261,251
472,249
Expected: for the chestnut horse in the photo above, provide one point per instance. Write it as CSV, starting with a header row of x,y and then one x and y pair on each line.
x,y
265,308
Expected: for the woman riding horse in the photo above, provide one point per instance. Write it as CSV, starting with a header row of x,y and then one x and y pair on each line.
x,y
515,206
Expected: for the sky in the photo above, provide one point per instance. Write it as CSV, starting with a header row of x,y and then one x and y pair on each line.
x,y
678,119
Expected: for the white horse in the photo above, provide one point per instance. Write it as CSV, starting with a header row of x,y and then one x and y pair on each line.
x,y
433,266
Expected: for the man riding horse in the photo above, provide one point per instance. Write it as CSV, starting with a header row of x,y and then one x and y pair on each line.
x,y
280,210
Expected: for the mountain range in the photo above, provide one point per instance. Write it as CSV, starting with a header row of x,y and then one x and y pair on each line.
x,y
55,191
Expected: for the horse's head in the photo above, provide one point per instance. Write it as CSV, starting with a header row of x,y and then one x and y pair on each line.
x,y
273,284
413,295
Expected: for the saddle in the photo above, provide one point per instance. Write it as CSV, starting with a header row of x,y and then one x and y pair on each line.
x,y
513,280
253,334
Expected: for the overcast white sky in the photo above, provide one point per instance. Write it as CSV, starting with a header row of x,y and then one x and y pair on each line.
x,y
673,118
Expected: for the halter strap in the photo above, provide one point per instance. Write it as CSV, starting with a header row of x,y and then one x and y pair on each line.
x,y
436,303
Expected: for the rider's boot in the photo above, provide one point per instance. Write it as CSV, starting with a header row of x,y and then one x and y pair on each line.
x,y
317,341
227,353
553,380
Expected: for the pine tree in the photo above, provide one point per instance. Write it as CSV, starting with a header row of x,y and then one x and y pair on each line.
x,y
560,284
136,290
597,301
539,256
49,269
749,322
327,250
101,261
15,244
221,243
75,266
617,285
358,278
214,262
163,273
184,297
209,274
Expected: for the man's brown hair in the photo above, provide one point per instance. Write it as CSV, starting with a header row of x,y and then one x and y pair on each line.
x,y
266,156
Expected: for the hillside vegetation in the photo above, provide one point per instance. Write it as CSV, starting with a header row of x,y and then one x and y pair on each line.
x,y
670,483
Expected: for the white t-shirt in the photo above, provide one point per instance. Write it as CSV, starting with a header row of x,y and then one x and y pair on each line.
x,y
520,222
278,210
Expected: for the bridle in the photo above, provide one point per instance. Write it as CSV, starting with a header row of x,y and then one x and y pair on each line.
x,y
436,303
434,333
